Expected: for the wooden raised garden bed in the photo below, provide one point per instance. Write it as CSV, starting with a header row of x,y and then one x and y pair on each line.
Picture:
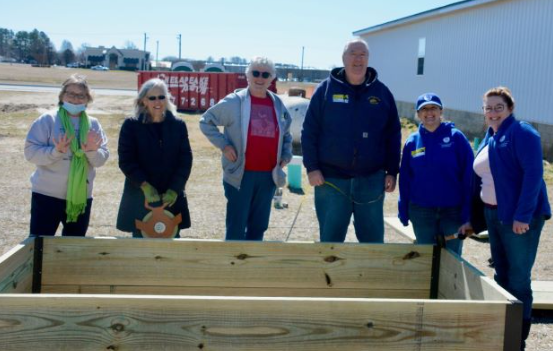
x,y
139,294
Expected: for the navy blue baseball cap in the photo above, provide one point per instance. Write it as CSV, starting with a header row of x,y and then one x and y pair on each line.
x,y
428,99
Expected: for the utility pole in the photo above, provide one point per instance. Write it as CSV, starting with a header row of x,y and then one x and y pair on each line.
x,y
180,38
144,60
301,69
157,52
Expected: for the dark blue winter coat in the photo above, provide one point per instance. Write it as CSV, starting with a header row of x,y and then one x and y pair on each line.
x,y
351,131
516,162
436,171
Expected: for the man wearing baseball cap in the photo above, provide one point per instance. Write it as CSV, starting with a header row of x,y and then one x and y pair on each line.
x,y
435,177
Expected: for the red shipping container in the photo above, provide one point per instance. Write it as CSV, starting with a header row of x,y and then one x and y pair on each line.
x,y
198,91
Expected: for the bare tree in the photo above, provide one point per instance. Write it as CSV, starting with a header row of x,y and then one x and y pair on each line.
x,y
66,45
129,45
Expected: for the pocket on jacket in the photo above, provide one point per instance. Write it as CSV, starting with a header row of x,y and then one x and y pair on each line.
x,y
228,166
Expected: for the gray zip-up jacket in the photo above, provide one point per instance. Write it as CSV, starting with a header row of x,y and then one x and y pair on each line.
x,y
233,114
52,171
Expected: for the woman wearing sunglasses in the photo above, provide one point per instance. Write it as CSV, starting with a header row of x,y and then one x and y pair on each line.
x,y
255,144
509,165
67,146
156,158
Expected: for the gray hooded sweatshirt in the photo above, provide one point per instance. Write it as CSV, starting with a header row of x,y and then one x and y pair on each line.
x,y
52,171
233,114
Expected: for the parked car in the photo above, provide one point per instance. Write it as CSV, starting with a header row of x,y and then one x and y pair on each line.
x,y
73,65
99,68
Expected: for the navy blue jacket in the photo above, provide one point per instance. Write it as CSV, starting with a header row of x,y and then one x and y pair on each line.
x,y
351,131
436,171
516,163
165,164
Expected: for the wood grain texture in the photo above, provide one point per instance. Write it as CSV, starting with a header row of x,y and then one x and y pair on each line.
x,y
16,268
99,322
183,263
459,280
218,291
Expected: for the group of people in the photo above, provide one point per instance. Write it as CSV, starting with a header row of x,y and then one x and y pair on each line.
x,y
351,144
351,149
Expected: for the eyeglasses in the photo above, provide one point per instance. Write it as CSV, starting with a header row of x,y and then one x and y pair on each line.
x,y
154,98
264,75
72,95
496,108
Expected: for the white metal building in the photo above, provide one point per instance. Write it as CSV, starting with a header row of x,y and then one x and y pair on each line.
x,y
461,50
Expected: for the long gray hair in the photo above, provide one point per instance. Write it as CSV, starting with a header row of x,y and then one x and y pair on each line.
x,y
139,107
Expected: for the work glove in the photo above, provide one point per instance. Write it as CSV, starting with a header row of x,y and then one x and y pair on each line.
x,y
150,193
170,197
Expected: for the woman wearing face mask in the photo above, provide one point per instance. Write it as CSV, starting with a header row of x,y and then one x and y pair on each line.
x,y
67,146
156,158
435,178
509,165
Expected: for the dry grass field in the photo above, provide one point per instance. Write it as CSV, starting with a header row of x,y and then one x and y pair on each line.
x,y
205,192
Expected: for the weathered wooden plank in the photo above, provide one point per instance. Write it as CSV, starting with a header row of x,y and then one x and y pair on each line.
x,y
459,280
16,268
81,261
97,322
218,291
543,295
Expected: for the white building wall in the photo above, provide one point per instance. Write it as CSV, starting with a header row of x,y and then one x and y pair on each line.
x,y
508,42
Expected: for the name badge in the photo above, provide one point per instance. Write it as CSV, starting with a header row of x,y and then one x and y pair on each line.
x,y
418,152
342,98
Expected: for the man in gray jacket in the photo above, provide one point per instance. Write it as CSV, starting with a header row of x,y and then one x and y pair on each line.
x,y
256,144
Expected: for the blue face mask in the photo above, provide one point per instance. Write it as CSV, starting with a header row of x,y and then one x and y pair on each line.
x,y
73,109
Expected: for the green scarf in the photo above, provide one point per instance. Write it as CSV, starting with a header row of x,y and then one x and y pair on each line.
x,y
78,170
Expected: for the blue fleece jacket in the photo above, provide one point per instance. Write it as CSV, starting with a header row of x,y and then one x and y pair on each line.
x,y
351,131
516,163
436,171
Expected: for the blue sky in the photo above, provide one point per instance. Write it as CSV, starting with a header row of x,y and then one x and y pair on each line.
x,y
216,28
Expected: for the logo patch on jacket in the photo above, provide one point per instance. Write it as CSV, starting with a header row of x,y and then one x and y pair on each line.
x,y
503,142
418,152
373,100
446,142
343,98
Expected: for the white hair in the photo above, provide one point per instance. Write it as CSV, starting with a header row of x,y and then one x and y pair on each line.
x,y
355,41
262,61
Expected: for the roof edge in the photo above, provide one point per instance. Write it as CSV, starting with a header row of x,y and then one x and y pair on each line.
x,y
456,6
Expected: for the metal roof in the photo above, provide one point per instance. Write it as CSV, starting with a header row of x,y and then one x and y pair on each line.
x,y
456,6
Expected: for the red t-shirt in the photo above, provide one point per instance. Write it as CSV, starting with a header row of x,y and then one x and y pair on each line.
x,y
261,150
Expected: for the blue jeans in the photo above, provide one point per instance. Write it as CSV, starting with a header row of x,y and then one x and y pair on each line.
x,y
513,256
363,197
249,208
48,212
431,222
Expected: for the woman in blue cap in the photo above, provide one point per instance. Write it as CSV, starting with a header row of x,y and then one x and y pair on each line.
x,y
435,178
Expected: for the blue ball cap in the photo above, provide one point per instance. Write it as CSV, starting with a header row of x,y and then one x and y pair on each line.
x,y
428,99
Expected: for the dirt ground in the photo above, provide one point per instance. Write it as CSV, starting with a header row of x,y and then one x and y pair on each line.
x,y
205,192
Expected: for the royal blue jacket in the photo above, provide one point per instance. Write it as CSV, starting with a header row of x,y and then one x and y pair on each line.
x,y
516,163
436,171
351,131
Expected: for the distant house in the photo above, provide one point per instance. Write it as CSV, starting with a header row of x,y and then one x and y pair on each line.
x,y
461,50
113,58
